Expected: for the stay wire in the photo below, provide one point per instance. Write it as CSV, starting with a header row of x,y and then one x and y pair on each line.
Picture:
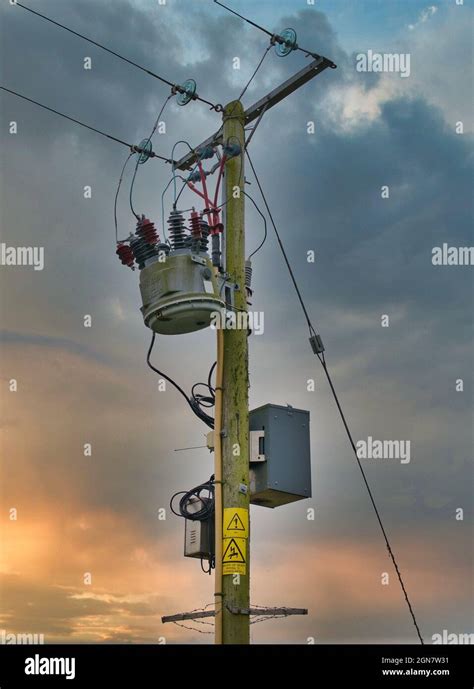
x,y
277,234
322,359
372,500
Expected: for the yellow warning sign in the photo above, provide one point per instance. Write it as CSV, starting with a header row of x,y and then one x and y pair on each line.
x,y
236,522
234,556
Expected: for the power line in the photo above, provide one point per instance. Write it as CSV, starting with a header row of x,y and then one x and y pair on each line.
x,y
322,359
138,158
175,87
274,37
297,289
257,26
372,500
132,147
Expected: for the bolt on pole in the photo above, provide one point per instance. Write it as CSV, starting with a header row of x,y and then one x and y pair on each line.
x,y
235,426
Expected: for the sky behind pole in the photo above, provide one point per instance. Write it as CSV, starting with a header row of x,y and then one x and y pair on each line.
x,y
78,385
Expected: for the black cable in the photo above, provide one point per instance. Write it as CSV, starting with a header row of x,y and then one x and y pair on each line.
x,y
116,195
138,157
133,148
206,401
131,192
265,234
274,37
175,87
204,514
372,500
322,359
277,234
190,497
209,378
208,420
257,26
254,74
230,115
124,143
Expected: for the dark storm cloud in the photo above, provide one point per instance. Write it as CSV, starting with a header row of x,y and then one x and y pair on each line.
x,y
373,256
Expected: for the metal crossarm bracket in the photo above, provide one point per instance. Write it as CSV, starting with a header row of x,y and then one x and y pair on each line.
x,y
265,103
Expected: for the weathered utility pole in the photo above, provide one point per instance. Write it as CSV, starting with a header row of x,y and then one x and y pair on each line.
x,y
232,586
235,420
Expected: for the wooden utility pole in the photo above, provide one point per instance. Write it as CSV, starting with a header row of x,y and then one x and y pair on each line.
x,y
232,593
235,420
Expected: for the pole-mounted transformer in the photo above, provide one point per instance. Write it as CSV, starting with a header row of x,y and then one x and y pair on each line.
x,y
178,286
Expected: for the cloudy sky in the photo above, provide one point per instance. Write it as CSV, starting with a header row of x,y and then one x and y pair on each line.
x,y
77,385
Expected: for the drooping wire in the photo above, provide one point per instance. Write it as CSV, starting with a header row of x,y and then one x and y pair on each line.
x,y
230,115
175,87
265,232
138,157
186,143
206,401
117,194
194,405
322,359
188,496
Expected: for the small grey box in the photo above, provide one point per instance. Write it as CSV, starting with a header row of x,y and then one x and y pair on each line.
x,y
198,535
285,475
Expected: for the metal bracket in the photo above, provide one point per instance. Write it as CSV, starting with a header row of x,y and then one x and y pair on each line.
x,y
257,446
253,112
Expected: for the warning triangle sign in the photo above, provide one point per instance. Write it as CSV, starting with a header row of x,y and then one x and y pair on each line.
x,y
233,553
235,524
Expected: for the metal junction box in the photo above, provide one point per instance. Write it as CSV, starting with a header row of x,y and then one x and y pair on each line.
x,y
199,535
282,470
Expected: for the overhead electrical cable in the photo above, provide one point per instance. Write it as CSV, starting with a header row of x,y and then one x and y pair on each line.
x,y
132,147
138,158
275,38
322,359
175,87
